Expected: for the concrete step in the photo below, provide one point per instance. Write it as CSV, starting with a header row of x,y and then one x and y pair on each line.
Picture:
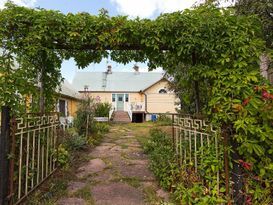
x,y
122,117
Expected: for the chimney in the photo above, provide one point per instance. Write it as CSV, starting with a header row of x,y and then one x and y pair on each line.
x,y
136,68
109,69
86,88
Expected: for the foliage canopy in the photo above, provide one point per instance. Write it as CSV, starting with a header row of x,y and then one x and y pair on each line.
x,y
206,44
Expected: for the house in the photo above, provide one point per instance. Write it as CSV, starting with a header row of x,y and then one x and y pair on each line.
x,y
68,100
134,96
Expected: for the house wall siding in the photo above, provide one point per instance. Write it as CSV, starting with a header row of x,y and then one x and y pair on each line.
x,y
159,102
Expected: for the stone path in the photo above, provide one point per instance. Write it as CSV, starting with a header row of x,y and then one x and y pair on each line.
x,y
116,174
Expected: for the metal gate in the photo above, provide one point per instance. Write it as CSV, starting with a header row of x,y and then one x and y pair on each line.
x,y
192,138
31,154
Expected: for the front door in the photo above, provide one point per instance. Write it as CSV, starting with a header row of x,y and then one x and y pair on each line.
x,y
120,102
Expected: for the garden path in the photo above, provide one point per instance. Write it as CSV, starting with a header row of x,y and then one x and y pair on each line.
x,y
116,174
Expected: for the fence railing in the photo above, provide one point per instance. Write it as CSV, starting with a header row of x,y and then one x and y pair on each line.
x,y
192,138
32,155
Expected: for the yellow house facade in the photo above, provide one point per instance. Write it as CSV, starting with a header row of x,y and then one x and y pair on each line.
x,y
140,94
68,101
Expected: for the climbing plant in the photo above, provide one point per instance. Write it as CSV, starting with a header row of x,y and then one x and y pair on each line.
x,y
214,47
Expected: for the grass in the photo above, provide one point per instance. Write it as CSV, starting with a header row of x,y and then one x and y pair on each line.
x,y
85,193
124,146
150,196
132,181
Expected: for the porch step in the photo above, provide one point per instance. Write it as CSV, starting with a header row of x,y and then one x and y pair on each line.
x,y
121,116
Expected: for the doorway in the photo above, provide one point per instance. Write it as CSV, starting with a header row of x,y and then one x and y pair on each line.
x,y
120,102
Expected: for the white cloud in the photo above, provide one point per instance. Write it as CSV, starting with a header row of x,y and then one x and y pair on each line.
x,y
26,3
147,8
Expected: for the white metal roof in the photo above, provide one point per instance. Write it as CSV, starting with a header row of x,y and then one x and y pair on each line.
x,y
116,81
68,90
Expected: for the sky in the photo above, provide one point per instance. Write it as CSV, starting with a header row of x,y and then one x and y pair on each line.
x,y
132,8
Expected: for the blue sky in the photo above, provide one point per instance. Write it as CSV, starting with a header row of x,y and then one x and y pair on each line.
x,y
132,8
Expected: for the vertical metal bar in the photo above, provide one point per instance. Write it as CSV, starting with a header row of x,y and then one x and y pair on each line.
x,y
217,157
195,152
4,151
38,156
47,149
185,150
226,161
50,145
20,165
180,147
27,162
33,158
42,155
54,145
190,146
208,141
176,142
173,131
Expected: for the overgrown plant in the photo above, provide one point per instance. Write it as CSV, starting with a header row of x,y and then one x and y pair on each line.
x,y
102,109
187,186
84,121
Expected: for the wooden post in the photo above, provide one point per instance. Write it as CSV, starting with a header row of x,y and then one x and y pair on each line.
x,y
4,151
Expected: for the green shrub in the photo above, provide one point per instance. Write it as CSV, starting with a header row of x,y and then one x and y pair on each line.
x,y
62,156
73,141
84,120
164,119
160,151
102,109
100,127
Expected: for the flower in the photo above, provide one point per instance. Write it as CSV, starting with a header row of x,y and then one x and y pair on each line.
x,y
248,200
266,95
246,101
246,165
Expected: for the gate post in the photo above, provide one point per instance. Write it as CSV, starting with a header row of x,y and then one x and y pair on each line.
x,y
4,151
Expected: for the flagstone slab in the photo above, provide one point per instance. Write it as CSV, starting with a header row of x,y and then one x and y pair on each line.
x,y
93,166
75,186
117,193
71,201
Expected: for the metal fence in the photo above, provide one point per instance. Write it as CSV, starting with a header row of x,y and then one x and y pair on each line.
x,y
32,153
192,139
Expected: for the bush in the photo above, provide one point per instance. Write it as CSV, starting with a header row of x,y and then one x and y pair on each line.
x,y
160,151
101,128
164,120
102,109
85,116
63,156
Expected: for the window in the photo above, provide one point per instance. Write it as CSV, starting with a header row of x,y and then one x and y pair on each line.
x,y
162,91
113,97
126,97
62,107
120,99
